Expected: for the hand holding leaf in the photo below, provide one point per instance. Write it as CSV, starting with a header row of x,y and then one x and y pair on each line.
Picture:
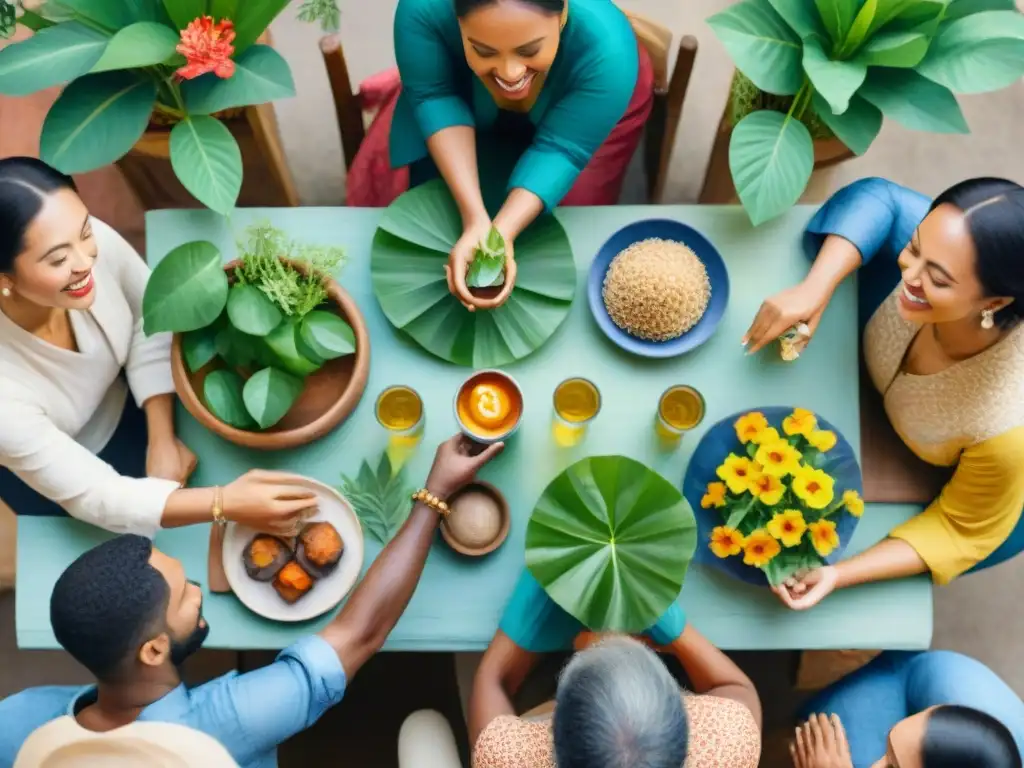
x,y
482,260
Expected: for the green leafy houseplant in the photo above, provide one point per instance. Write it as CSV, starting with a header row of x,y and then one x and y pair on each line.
x,y
265,330
131,65
380,497
836,67
610,541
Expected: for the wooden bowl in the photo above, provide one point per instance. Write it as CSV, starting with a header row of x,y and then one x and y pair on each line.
x,y
330,395
506,521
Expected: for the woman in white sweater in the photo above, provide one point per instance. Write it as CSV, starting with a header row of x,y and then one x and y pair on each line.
x,y
86,399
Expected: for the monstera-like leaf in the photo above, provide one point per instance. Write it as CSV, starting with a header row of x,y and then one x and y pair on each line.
x,y
610,541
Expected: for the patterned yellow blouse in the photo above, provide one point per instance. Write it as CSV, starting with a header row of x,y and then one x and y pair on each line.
x,y
970,415
723,734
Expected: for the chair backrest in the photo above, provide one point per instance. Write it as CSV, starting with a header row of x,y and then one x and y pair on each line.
x,y
657,39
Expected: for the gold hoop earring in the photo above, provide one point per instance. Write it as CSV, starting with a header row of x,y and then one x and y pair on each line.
x,y
988,320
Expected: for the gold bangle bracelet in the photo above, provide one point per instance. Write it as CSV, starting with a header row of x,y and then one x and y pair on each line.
x,y
218,506
423,496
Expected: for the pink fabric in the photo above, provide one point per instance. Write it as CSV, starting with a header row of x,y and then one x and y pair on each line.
x,y
373,183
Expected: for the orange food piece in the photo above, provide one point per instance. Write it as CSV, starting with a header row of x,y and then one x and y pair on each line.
x,y
293,576
323,543
263,551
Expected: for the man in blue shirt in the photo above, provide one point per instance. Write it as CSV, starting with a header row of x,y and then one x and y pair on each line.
x,y
127,613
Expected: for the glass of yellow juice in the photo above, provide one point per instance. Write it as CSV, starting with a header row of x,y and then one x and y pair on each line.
x,y
400,411
577,402
680,409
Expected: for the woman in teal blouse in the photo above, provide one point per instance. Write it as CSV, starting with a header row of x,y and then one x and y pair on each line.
x,y
537,83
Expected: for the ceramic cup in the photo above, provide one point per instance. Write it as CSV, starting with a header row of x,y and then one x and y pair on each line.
x,y
466,429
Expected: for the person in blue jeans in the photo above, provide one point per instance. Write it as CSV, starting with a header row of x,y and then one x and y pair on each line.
x,y
935,709
128,613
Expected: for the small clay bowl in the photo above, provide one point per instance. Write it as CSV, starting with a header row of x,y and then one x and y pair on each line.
x,y
465,428
479,485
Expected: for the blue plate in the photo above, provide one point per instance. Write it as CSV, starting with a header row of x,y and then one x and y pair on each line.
x,y
666,229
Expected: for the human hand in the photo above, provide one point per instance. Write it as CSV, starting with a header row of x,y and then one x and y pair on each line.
x,y
456,463
170,459
821,743
802,303
806,589
458,265
269,502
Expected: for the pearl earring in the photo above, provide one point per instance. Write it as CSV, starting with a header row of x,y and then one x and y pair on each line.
x,y
5,292
987,319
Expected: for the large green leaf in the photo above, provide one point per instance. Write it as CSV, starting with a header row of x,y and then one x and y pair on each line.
x,y
50,57
835,80
269,394
224,9
34,21
222,392
199,347
894,49
610,541
857,127
326,336
207,161
96,120
251,311
860,28
187,290
888,10
261,75
771,157
979,53
761,44
183,12
283,343
801,16
957,9
139,45
113,14
837,16
407,263
252,19
913,101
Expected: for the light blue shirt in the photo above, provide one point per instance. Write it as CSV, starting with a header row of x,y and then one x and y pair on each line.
x,y
249,714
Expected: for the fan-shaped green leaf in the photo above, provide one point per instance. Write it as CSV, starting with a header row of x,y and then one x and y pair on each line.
x,y
269,394
913,101
207,161
835,80
857,127
409,282
261,75
142,44
222,392
979,53
771,157
610,541
761,44
50,57
251,312
187,290
894,49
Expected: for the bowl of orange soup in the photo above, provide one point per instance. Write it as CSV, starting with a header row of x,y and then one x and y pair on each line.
x,y
489,406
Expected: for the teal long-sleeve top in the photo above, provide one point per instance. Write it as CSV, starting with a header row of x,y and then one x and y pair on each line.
x,y
585,93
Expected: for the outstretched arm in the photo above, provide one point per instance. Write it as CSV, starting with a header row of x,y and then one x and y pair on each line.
x,y
501,672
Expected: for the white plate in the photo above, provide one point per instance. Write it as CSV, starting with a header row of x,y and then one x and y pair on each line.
x,y
261,598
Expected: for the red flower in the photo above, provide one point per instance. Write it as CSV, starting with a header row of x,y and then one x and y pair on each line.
x,y
207,47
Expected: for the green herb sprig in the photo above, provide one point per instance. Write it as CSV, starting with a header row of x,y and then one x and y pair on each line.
x,y
380,498
324,11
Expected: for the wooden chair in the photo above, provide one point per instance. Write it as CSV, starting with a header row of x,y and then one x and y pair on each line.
x,y
659,132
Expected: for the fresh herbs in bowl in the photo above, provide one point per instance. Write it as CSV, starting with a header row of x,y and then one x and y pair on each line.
x,y
263,325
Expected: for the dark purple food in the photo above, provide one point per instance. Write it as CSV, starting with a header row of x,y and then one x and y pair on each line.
x,y
264,557
319,549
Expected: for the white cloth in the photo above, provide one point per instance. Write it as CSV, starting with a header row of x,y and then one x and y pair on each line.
x,y
59,408
426,741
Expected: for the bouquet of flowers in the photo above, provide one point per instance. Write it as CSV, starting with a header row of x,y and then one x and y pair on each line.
x,y
780,494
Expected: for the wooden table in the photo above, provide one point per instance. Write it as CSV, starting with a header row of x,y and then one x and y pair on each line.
x,y
458,601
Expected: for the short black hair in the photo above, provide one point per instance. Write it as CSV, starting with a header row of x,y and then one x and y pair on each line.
x,y
994,209
107,603
24,184
956,737
464,7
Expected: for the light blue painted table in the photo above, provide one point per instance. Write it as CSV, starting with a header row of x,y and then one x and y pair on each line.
x,y
458,601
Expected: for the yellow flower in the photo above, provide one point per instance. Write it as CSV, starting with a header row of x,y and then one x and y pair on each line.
x,y
749,424
822,439
726,541
736,471
800,422
788,527
824,537
854,503
778,458
814,487
768,435
767,488
760,548
715,497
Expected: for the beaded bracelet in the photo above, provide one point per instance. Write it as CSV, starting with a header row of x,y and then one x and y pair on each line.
x,y
426,497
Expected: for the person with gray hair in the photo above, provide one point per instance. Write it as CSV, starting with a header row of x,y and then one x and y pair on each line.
x,y
616,705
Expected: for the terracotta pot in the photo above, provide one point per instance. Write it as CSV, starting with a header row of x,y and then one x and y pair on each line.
x,y
506,522
330,395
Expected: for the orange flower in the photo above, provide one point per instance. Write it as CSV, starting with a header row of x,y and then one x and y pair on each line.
x,y
726,541
788,527
207,48
824,537
760,548
715,497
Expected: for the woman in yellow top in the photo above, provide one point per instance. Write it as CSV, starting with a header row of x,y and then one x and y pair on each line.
x,y
944,344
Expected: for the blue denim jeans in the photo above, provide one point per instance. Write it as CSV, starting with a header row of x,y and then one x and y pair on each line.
x,y
899,684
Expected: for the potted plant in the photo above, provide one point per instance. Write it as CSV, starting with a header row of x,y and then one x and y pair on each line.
x,y
269,352
831,69
129,67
